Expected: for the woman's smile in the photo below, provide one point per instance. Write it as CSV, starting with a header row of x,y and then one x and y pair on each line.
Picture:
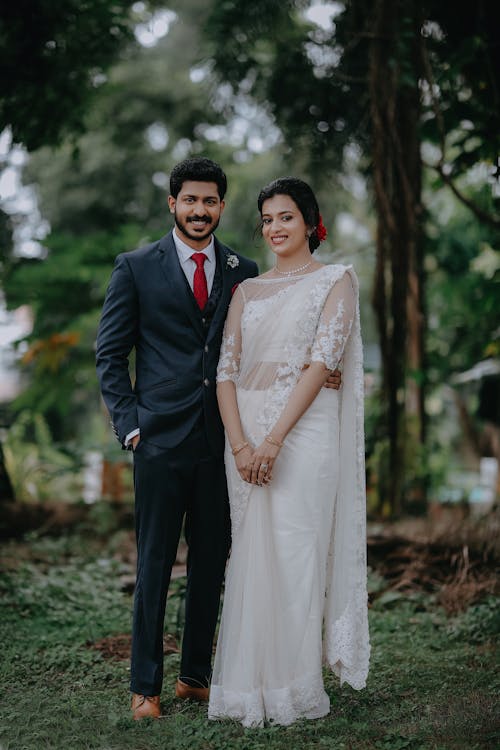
x,y
277,239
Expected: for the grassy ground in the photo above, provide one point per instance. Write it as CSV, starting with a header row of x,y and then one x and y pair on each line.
x,y
432,685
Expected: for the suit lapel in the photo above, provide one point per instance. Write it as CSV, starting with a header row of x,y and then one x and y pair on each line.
x,y
176,279
228,280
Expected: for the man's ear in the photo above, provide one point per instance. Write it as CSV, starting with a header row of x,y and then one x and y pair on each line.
x,y
222,206
171,203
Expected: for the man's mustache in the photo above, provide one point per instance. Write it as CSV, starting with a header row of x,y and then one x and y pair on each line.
x,y
206,219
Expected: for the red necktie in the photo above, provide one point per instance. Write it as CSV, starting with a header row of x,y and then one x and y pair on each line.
x,y
200,288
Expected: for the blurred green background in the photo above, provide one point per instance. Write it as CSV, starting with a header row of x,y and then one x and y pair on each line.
x,y
389,109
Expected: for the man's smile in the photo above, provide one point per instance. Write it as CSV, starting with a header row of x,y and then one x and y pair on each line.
x,y
199,221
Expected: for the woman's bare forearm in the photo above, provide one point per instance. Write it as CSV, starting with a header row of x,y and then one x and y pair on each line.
x,y
228,407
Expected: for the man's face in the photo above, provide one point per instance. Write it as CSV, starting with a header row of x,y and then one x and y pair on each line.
x,y
197,211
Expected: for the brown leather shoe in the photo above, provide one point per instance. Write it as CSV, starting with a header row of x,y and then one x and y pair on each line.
x,y
145,706
190,693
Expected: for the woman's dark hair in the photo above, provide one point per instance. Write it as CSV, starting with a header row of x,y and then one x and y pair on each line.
x,y
199,169
302,195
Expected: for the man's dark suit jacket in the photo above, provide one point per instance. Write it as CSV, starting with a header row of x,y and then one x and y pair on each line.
x,y
150,307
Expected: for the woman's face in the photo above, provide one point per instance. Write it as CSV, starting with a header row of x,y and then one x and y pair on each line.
x,y
283,226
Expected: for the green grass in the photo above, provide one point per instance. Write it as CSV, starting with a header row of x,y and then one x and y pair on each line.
x,y
432,685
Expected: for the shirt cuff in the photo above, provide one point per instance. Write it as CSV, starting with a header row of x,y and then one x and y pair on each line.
x,y
131,435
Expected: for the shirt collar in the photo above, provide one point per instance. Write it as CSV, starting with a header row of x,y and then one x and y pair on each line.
x,y
185,252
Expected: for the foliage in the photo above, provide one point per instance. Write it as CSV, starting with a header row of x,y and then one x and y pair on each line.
x,y
37,469
426,691
105,193
298,72
52,55
461,64
315,80
6,231
463,270
104,189
65,291
55,57
388,77
479,624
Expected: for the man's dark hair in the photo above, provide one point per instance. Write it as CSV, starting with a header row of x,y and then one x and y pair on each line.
x,y
199,169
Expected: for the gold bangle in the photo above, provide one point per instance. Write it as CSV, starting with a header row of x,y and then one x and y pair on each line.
x,y
238,448
272,441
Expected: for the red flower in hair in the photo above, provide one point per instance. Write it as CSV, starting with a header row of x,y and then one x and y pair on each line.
x,y
321,230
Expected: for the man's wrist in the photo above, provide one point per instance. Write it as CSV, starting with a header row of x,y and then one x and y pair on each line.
x,y
130,436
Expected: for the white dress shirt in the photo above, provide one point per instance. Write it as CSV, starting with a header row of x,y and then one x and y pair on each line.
x,y
184,253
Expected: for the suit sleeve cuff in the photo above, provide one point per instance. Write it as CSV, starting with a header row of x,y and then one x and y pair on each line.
x,y
131,435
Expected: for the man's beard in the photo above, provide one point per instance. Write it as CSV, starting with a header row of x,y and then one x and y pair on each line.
x,y
184,228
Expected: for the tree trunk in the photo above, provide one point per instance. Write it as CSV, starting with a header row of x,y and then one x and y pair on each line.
x,y
398,298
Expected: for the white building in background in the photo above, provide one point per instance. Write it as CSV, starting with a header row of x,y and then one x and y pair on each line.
x,y
14,325
30,229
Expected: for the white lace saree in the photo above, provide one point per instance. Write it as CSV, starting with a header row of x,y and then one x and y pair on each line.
x,y
295,592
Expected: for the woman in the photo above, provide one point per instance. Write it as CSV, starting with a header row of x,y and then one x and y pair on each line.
x,y
296,582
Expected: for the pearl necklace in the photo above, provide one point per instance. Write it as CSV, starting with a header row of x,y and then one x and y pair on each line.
x,y
294,270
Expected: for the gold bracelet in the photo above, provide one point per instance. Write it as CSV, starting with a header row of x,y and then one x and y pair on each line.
x,y
272,441
238,448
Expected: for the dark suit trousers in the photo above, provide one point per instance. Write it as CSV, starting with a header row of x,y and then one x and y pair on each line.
x,y
170,484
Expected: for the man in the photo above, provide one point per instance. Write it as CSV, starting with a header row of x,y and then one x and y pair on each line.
x,y
168,301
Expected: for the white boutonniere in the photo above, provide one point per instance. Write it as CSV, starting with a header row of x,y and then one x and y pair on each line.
x,y
232,261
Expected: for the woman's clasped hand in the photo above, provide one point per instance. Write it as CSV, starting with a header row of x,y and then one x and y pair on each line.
x,y
256,465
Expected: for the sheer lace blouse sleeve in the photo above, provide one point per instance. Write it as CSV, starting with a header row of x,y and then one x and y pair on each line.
x,y
335,324
230,353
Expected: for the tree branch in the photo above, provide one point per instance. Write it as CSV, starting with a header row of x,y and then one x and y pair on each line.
x,y
478,212
347,78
